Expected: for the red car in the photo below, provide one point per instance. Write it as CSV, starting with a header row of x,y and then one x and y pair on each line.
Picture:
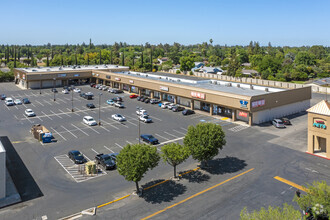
x,y
132,96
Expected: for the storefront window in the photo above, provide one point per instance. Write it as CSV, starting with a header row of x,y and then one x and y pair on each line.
x,y
116,85
125,87
169,98
205,107
157,95
183,101
134,89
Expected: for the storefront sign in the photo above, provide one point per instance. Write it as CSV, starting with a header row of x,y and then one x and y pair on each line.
x,y
61,75
197,95
117,79
243,103
243,114
319,123
131,81
258,103
164,88
76,75
23,76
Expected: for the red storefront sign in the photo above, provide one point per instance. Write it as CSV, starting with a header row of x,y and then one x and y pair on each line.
x,y
117,79
243,114
198,95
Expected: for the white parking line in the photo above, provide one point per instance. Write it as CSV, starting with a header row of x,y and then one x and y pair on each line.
x,y
169,141
156,118
48,102
94,151
58,133
80,129
179,132
104,128
55,114
33,105
90,128
69,131
28,118
60,100
58,158
64,113
162,137
108,149
73,112
131,123
119,145
170,134
16,107
129,142
40,103
183,129
67,99
7,107
107,123
46,115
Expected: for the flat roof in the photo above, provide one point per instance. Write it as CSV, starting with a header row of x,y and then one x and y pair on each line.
x,y
209,84
70,68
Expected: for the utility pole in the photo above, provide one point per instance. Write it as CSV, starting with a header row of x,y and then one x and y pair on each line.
x,y
100,108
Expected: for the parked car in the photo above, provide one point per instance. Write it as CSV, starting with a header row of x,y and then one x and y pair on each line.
x,y
165,105
117,99
118,117
145,118
278,123
97,86
77,90
53,90
132,96
177,108
90,105
89,120
89,96
29,113
66,88
170,106
82,94
119,105
143,98
65,91
149,139
110,102
106,160
92,84
77,157
26,101
105,88
139,97
2,96
9,102
154,101
188,112
17,102
286,121
111,90
141,112
147,100
118,91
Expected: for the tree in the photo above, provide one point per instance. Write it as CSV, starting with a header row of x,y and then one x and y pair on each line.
x,y
135,160
204,141
186,63
305,58
285,213
211,41
174,154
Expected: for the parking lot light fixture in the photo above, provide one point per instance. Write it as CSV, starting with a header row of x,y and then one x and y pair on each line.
x,y
138,108
100,108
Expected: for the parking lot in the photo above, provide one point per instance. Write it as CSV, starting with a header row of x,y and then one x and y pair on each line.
x,y
65,186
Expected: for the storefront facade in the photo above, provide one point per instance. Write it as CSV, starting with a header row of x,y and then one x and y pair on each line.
x,y
318,131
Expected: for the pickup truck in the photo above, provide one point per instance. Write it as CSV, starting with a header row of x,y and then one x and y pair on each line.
x,y
108,161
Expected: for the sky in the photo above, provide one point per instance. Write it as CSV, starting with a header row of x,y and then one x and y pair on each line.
x,y
231,22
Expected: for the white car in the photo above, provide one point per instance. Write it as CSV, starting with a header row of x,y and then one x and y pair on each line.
x,y
165,105
118,117
141,112
119,105
89,120
9,102
29,113
145,118
65,91
77,90
18,102
170,106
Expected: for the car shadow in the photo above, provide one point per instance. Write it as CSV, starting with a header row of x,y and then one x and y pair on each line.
x,y
21,176
165,192
195,176
224,165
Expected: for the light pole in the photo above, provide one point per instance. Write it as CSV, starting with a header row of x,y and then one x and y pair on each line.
x,y
100,108
40,84
72,110
54,88
138,108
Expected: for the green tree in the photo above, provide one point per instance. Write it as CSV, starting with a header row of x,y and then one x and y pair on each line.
x,y
174,154
305,58
204,141
135,160
186,63
277,213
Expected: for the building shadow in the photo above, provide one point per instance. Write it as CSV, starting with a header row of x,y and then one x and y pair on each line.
x,y
165,192
195,176
22,178
224,165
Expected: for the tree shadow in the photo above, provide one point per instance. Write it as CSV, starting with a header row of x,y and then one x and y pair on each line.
x,y
164,192
224,165
195,176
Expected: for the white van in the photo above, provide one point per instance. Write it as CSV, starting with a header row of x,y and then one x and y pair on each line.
x,y
9,101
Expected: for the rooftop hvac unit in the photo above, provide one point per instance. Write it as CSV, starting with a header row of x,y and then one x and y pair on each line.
x,y
238,85
178,80
159,77
228,84
251,86
146,75
266,90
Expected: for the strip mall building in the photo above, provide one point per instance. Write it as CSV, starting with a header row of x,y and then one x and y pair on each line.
x,y
252,104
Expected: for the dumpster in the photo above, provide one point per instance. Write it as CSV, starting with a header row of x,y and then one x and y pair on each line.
x,y
90,168
41,133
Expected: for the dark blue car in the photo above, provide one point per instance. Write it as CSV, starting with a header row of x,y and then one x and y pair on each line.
x,y
149,139
2,96
26,101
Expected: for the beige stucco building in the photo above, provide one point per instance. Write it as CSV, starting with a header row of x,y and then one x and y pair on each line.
x,y
318,131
